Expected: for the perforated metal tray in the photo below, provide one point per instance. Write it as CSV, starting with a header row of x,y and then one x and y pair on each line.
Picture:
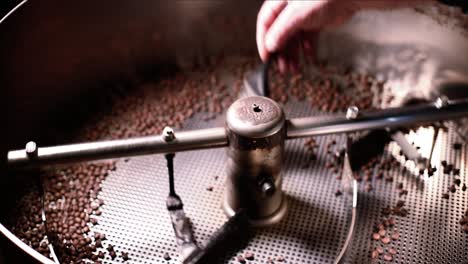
x,y
135,219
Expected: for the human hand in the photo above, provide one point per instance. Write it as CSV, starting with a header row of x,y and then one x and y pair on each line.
x,y
292,26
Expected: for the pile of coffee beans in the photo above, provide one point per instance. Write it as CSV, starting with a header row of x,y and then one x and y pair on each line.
x,y
328,89
450,170
384,233
72,202
27,223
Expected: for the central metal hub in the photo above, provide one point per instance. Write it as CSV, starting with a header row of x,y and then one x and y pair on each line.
x,y
256,133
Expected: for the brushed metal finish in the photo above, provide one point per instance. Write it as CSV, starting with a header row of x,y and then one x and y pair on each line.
x,y
255,117
388,118
186,140
256,133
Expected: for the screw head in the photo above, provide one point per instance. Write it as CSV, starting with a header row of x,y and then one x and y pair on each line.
x,y
441,101
352,112
31,149
268,188
168,134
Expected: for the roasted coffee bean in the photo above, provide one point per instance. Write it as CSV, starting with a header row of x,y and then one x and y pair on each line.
x,y
430,172
465,229
112,254
338,192
376,236
209,188
457,181
93,221
386,223
166,256
444,163
445,195
403,192
125,256
110,247
375,254
380,250
280,258
452,188
464,187
249,255
241,259
386,240
400,212
386,211
400,203
387,257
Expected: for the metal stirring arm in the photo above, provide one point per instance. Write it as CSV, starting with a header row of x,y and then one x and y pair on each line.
x,y
217,137
350,187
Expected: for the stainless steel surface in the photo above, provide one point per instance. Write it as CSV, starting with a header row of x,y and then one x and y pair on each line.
x,y
186,140
256,133
410,59
254,127
388,118
316,226
350,187
409,150
184,238
255,117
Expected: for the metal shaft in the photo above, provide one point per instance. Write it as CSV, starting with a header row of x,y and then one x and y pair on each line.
x,y
216,137
388,118
188,140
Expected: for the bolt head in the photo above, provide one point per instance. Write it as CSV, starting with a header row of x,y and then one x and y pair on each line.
x,y
442,101
268,188
168,134
31,149
352,112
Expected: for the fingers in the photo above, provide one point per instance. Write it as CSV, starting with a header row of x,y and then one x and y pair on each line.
x,y
266,16
289,22
309,44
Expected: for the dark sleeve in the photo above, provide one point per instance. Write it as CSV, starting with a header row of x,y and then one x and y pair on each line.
x,y
460,3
